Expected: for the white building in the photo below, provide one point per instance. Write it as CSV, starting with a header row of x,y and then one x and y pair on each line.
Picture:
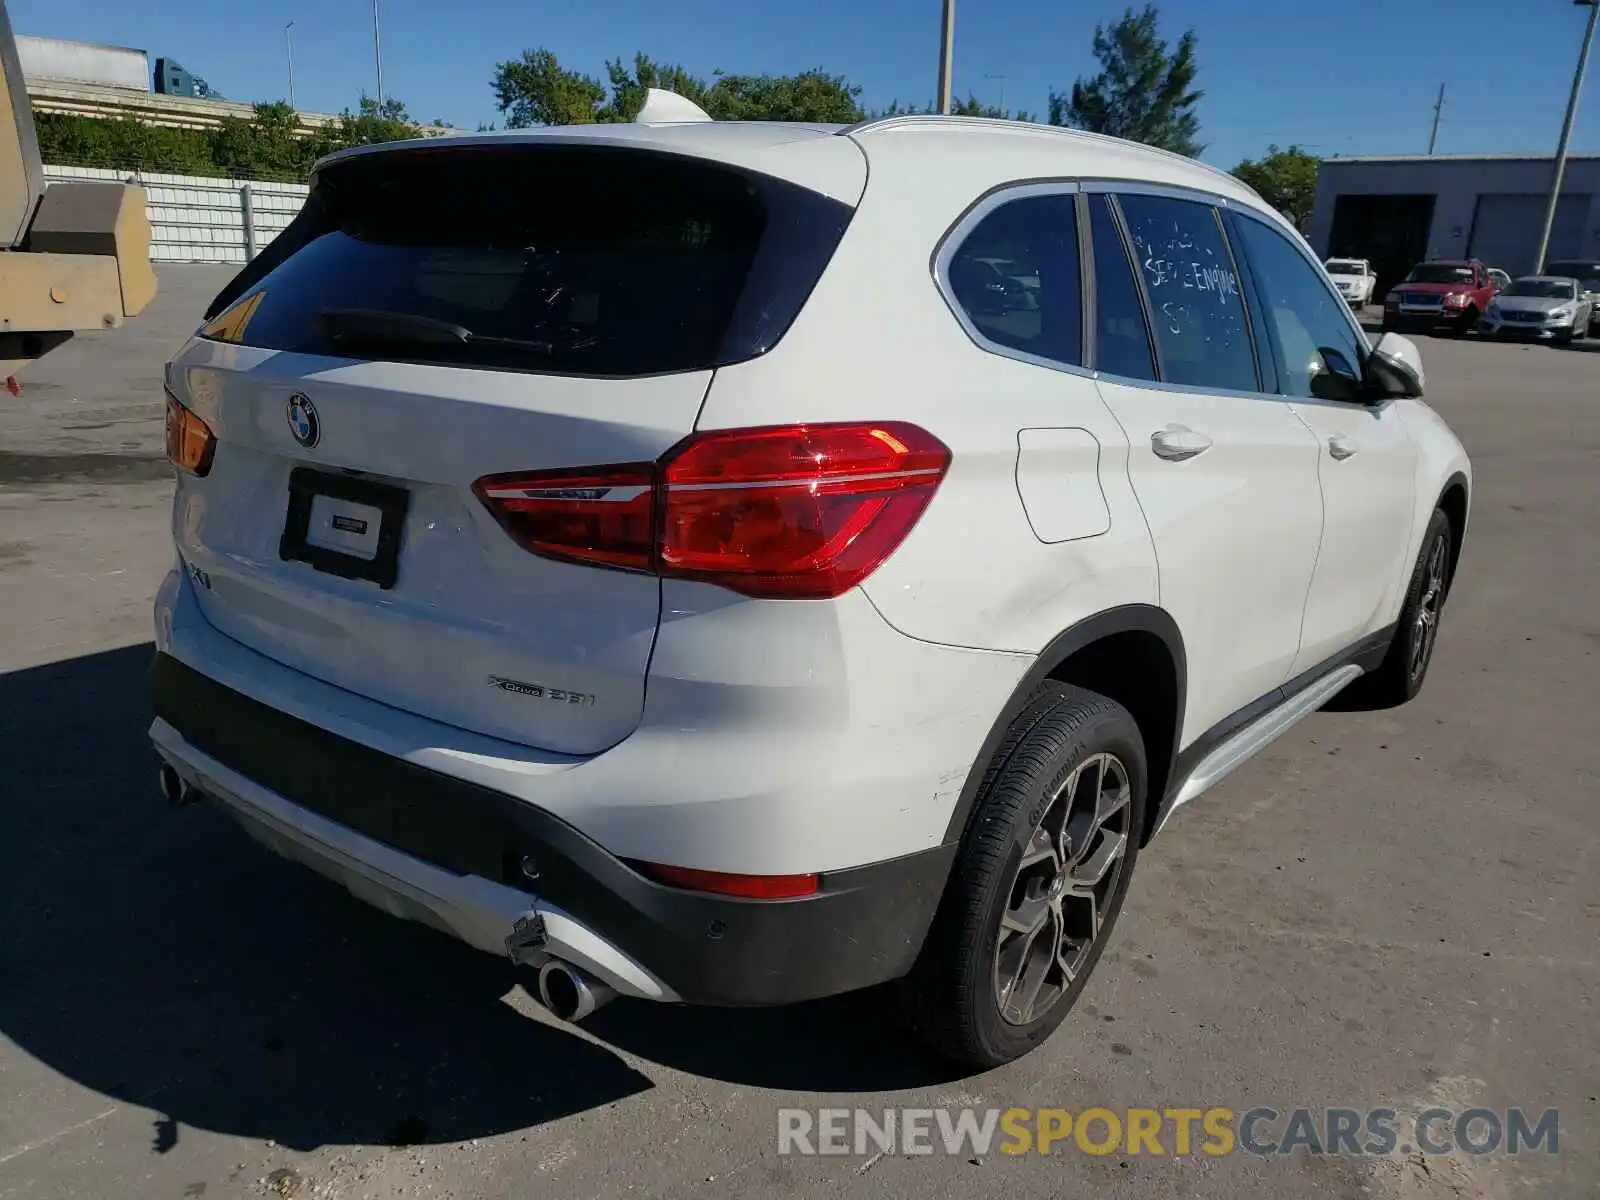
x,y
1398,211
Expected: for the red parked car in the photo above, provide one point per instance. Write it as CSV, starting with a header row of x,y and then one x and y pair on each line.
x,y
1445,292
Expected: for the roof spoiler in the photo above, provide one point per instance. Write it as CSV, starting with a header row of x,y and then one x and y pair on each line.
x,y
663,107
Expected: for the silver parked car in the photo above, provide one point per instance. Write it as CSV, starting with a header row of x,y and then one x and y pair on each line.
x,y
1587,272
1548,307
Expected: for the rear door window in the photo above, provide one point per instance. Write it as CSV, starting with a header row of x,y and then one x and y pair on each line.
x,y
1196,302
580,260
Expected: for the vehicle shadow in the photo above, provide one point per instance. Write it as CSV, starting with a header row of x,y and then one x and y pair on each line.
x,y
1371,320
158,956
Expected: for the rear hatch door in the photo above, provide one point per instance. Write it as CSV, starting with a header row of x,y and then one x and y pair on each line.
x,y
437,317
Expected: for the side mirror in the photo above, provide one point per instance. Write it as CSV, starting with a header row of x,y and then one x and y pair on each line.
x,y
1394,369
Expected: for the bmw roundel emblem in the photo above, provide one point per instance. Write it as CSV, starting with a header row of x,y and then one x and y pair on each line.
x,y
303,421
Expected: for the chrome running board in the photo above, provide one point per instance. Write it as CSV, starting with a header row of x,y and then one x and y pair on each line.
x,y
1258,735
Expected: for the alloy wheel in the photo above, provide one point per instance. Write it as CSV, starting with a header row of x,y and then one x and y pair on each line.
x,y
1429,606
1069,871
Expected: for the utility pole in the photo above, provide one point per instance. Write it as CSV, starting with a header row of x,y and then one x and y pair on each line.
x,y
1438,109
377,53
947,38
1566,131
288,45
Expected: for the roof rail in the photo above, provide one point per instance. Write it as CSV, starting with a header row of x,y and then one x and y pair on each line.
x,y
662,107
954,122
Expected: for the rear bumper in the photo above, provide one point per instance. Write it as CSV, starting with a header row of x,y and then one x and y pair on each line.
x,y
435,848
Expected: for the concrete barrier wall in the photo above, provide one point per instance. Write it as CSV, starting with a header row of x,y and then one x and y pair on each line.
x,y
200,220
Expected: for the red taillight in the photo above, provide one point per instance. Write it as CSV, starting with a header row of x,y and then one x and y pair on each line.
x,y
803,511
604,515
190,442
794,512
721,883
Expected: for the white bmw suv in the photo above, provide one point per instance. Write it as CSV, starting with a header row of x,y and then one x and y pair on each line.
x,y
733,564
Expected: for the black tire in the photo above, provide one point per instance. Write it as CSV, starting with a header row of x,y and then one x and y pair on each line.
x,y
1401,674
1066,741
1467,323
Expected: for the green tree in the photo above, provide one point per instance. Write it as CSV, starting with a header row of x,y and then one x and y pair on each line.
x,y
374,122
970,107
268,144
1285,179
1143,92
812,95
536,89
123,145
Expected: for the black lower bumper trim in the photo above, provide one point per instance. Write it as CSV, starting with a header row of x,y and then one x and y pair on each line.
x,y
865,926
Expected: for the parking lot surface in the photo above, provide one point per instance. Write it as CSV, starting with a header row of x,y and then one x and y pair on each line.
x,y
1392,909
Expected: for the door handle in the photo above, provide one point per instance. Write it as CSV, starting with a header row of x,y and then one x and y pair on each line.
x,y
1178,442
1341,447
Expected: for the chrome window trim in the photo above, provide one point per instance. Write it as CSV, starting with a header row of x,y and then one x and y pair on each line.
x,y
951,241
1166,191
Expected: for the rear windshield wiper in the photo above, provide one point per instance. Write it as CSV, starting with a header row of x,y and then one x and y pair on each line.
x,y
372,326
376,325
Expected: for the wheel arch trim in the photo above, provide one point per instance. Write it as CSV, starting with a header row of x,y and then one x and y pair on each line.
x,y
1127,618
1457,479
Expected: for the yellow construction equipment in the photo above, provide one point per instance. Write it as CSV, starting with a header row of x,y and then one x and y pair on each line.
x,y
75,256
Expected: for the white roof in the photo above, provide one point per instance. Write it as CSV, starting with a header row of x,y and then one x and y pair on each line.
x,y
826,159
1071,153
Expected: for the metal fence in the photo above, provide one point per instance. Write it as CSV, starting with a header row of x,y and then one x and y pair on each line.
x,y
194,219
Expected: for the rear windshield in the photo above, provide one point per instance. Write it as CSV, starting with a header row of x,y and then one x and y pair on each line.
x,y
571,260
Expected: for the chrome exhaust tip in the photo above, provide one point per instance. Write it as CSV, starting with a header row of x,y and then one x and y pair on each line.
x,y
174,788
570,994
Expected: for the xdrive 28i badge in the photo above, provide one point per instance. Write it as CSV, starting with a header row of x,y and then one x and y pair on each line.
x,y
304,423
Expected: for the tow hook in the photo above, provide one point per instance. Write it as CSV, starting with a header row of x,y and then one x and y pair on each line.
x,y
525,945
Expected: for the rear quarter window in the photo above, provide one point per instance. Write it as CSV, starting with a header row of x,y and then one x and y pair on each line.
x,y
1016,279
571,260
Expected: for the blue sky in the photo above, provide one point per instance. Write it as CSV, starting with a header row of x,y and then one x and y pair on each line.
x,y
1359,82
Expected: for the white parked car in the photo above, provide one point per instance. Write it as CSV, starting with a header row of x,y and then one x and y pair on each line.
x,y
677,557
1355,279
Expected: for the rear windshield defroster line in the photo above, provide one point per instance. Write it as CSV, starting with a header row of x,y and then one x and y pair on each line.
x,y
555,259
